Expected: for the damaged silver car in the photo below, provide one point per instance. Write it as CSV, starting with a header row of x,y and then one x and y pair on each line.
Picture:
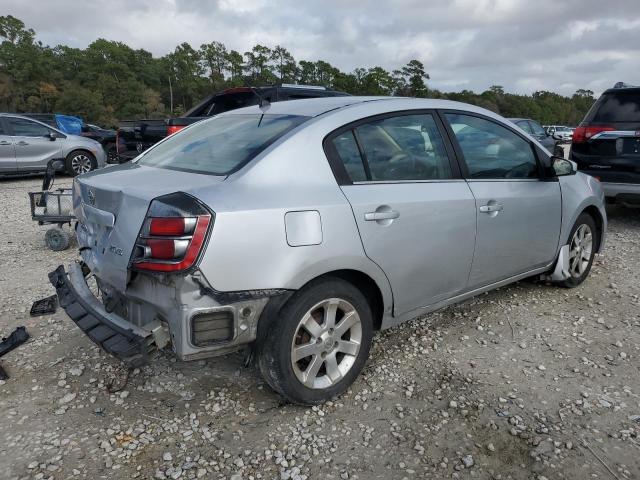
x,y
300,228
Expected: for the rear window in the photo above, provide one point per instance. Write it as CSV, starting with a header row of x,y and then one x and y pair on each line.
x,y
617,107
220,145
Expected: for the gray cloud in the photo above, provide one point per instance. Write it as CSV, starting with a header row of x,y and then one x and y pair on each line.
x,y
557,45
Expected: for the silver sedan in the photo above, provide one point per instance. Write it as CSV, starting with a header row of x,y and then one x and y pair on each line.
x,y
300,228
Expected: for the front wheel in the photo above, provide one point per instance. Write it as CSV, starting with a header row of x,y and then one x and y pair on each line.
x,y
582,249
319,343
79,162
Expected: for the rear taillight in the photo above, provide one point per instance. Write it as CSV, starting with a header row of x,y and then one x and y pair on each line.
x,y
171,129
582,134
173,234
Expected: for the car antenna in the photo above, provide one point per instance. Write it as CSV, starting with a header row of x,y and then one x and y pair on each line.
x,y
263,104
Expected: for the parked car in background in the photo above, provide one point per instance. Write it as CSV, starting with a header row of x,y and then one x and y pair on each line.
x,y
26,145
606,144
65,123
105,137
136,136
559,132
534,129
390,208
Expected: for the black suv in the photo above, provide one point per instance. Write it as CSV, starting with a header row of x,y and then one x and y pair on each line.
x,y
136,136
606,144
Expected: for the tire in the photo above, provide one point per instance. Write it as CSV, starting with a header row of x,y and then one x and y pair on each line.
x,y
325,348
57,239
112,153
585,226
80,161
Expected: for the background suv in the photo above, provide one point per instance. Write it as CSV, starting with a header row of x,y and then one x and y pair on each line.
x,y
26,145
606,144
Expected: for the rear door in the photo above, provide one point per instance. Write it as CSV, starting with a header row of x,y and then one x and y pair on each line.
x,y
415,214
7,150
33,146
607,143
518,212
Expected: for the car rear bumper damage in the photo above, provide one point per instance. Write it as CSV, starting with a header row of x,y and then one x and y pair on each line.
x,y
192,319
129,343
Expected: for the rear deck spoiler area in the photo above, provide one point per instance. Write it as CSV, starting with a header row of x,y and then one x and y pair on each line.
x,y
127,342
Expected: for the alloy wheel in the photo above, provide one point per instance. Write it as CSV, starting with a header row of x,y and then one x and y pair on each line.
x,y
81,164
326,343
580,250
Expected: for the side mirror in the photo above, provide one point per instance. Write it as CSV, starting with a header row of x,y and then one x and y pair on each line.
x,y
562,167
52,136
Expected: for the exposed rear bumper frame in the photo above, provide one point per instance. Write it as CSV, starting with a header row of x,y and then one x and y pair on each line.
x,y
127,342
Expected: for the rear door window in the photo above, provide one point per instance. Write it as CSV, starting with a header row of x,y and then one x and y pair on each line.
x,y
220,145
617,107
404,148
492,151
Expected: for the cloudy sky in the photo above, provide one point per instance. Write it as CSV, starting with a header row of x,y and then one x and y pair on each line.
x,y
524,45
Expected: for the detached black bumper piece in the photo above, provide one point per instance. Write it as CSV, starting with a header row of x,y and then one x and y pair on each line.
x,y
113,334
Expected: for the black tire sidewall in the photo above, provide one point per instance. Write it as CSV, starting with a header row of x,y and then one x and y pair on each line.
x,y
583,219
62,241
274,355
94,162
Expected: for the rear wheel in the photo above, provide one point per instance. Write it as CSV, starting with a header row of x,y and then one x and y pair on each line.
x,y
319,343
582,249
79,162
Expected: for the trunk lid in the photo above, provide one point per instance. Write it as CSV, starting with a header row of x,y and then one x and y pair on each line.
x,y
111,204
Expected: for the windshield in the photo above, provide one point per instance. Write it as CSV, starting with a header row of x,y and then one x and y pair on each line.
x,y
220,145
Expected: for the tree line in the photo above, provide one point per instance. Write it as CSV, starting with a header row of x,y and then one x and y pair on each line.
x,y
109,81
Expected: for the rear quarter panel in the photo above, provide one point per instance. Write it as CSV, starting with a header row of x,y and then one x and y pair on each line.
x,y
248,248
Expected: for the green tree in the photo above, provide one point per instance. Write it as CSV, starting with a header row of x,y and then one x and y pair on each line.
x,y
284,64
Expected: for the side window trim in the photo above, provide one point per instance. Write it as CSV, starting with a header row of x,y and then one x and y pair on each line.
x,y
363,154
460,156
340,172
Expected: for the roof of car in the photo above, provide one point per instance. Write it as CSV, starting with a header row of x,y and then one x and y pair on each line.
x,y
518,119
313,107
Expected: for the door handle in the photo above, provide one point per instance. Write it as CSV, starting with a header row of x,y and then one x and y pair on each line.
x,y
375,216
496,207
4,142
22,143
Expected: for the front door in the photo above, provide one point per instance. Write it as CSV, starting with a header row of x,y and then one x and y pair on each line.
x,y
416,216
33,146
7,151
519,214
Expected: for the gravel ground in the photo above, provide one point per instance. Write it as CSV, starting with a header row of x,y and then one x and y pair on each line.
x,y
527,382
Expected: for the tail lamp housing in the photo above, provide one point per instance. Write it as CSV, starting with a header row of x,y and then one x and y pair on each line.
x,y
173,234
583,133
171,129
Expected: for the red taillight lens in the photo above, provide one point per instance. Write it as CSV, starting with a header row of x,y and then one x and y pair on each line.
x,y
582,134
161,249
167,226
172,235
171,129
